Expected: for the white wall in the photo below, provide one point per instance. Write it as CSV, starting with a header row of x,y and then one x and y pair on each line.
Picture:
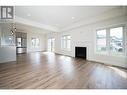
x,y
86,36
42,40
35,34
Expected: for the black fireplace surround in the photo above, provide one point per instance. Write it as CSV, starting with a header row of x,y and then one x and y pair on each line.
x,y
81,52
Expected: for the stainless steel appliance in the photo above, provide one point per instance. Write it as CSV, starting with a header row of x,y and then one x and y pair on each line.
x,y
21,42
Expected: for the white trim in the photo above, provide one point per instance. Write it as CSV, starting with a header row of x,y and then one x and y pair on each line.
x,y
123,53
108,40
105,53
111,14
109,53
125,40
52,48
66,49
35,24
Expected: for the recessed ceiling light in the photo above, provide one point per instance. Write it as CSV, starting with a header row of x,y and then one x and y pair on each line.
x,y
28,14
72,17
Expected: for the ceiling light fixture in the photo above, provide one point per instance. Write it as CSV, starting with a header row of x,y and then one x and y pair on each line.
x,y
13,28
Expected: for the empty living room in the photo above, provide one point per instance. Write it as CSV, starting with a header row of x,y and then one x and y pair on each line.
x,y
63,47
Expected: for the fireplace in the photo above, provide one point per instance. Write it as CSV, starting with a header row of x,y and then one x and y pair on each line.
x,y
81,52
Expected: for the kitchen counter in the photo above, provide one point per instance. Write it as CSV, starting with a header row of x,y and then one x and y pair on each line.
x,y
7,54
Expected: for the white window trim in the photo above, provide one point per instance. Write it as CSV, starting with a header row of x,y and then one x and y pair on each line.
x,y
125,39
108,41
119,54
51,44
35,42
101,53
65,49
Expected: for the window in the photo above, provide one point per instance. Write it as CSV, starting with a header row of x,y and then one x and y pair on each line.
x,y
110,40
116,40
51,44
66,42
35,42
101,41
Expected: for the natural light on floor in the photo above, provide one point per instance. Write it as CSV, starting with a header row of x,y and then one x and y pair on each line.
x,y
119,72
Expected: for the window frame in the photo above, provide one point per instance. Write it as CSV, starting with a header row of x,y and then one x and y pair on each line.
x,y
123,41
97,45
65,40
108,41
52,44
35,38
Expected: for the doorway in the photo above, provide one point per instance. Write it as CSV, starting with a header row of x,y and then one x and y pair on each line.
x,y
51,44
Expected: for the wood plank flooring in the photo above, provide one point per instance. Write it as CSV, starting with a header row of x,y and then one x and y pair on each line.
x,y
44,70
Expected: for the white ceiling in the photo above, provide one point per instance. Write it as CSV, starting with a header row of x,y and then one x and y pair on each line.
x,y
59,16
26,28
23,27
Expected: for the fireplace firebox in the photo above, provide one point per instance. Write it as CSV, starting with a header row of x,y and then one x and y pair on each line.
x,y
81,52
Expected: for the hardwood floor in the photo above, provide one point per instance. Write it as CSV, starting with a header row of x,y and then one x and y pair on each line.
x,y
51,71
